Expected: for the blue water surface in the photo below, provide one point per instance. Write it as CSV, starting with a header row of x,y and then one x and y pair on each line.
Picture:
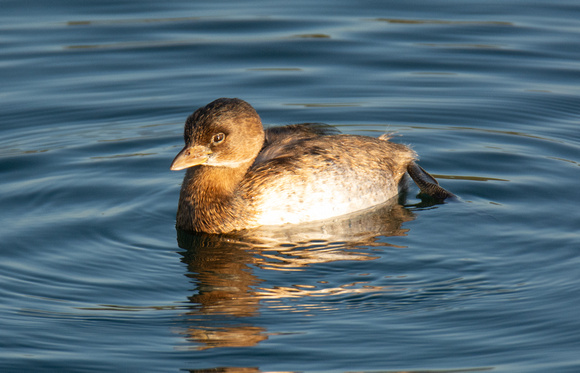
x,y
95,278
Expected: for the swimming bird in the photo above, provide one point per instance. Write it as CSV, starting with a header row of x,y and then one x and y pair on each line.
x,y
240,176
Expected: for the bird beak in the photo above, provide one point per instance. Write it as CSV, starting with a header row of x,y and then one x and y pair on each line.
x,y
190,156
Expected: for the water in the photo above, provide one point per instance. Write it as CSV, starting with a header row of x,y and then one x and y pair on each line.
x,y
94,277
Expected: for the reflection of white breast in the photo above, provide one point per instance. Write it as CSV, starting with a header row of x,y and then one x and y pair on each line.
x,y
331,194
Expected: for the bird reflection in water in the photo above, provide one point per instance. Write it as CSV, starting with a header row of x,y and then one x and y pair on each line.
x,y
228,291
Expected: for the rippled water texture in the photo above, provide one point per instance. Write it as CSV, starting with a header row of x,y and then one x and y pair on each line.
x,y
95,278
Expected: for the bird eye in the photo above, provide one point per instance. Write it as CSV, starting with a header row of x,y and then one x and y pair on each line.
x,y
217,138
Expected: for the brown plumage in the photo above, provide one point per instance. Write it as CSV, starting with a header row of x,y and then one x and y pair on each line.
x,y
240,176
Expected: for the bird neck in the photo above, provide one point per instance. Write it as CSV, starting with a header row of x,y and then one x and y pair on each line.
x,y
208,200
212,182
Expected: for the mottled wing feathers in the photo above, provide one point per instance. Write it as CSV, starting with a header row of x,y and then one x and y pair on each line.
x,y
280,141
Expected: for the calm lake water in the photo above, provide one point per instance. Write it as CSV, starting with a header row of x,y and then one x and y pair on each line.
x,y
95,278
